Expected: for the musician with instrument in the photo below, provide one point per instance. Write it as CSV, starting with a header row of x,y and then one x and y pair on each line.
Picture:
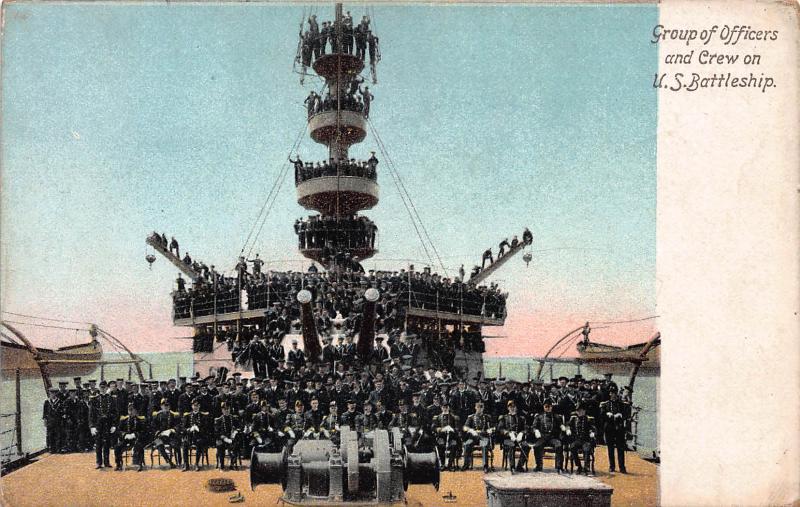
x,y
131,434
478,430
227,430
447,438
195,433
165,426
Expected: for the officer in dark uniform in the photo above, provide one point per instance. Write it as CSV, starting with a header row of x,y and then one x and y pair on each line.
x,y
615,416
511,428
227,432
546,429
195,433
581,428
313,420
379,353
165,425
72,415
478,430
264,429
294,426
445,427
407,422
297,357
330,423
131,433
103,424
329,355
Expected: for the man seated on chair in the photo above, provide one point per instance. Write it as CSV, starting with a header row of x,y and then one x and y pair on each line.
x,y
195,433
447,438
330,424
263,433
313,420
478,430
294,426
165,425
227,431
408,423
131,434
511,428
583,431
546,429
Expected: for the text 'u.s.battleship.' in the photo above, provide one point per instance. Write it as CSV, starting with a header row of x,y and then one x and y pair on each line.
x,y
338,321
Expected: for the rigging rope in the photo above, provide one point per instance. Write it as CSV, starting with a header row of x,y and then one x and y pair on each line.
x,y
625,321
46,325
271,195
404,195
45,318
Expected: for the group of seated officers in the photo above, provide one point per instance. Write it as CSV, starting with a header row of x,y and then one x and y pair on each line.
x,y
179,421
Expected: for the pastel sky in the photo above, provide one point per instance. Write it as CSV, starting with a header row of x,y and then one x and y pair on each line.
x,y
119,119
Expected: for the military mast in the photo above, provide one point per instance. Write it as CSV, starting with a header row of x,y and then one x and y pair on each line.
x,y
344,190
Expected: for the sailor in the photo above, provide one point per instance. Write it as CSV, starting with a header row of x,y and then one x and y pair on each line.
x,y
165,424
227,432
71,420
379,353
503,245
174,245
581,428
361,32
311,106
462,400
324,35
313,32
53,416
257,262
407,422
374,55
313,419
445,426
132,428
615,416
367,97
181,284
527,237
478,430
366,422
347,33
350,415
511,428
329,355
195,434
297,358
547,428
487,255
102,424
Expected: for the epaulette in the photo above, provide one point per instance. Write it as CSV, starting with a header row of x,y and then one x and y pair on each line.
x,y
174,413
141,417
204,413
589,418
123,417
186,413
155,413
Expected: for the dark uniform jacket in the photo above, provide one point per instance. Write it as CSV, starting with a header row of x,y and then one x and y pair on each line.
x,y
581,427
224,426
548,424
101,407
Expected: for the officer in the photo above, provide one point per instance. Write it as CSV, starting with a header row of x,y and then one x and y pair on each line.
x,y
350,415
330,424
313,420
615,416
165,425
131,434
227,432
547,428
297,358
263,431
195,433
72,415
511,428
407,422
582,429
102,424
294,426
478,430
447,441
53,416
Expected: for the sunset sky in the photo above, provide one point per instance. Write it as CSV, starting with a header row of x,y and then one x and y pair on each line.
x,y
119,119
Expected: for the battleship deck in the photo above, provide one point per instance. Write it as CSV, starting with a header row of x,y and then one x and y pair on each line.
x,y
70,479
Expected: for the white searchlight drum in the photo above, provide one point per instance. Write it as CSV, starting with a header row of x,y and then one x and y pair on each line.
x,y
370,295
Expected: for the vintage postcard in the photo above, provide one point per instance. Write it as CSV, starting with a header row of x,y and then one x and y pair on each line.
x,y
399,253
